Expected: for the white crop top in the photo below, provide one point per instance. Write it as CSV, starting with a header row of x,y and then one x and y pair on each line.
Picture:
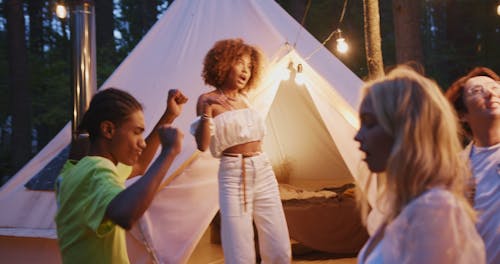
x,y
233,128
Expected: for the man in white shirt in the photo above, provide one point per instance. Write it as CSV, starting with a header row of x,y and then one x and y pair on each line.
x,y
476,98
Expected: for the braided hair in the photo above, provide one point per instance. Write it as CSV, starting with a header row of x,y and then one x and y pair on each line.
x,y
112,105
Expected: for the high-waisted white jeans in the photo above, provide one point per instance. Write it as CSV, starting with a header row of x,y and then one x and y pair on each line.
x,y
263,205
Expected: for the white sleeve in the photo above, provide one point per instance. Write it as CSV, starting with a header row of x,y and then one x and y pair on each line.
x,y
441,232
196,123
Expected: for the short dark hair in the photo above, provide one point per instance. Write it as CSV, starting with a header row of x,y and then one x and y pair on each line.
x,y
111,104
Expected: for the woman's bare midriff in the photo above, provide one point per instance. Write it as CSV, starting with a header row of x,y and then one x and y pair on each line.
x,y
245,148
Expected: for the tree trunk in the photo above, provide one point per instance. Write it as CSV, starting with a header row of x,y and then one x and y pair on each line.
x,y
105,24
137,17
407,20
373,42
36,26
18,84
460,21
37,61
106,53
149,14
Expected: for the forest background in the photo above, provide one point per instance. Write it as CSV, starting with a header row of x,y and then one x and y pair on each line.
x,y
445,37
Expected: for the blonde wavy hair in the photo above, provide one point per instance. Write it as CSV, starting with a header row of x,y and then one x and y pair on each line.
x,y
223,55
425,154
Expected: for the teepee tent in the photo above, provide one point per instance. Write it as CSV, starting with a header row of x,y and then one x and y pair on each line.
x,y
311,126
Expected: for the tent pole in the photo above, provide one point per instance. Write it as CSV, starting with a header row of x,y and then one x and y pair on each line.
x,y
83,78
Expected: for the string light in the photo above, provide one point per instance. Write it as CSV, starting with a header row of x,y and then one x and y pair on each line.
x,y
61,11
342,45
286,73
498,8
299,76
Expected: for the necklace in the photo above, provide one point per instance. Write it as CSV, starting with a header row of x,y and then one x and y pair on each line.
x,y
227,102
227,98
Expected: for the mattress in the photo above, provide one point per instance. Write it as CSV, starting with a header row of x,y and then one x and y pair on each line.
x,y
326,220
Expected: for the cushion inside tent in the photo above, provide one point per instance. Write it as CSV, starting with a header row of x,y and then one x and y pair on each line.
x,y
321,209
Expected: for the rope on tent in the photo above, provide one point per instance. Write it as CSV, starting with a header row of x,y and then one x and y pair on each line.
x,y
302,22
150,248
332,33
179,170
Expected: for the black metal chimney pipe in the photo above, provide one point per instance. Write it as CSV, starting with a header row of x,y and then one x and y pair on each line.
x,y
83,78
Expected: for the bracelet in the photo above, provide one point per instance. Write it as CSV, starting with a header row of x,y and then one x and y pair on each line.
x,y
205,116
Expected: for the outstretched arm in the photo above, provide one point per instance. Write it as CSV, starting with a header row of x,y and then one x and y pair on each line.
x,y
175,102
129,205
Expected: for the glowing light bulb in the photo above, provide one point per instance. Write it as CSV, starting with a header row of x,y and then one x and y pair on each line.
x,y
342,46
498,9
61,11
299,76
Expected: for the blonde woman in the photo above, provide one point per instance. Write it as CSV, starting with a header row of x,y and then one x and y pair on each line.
x,y
248,189
409,135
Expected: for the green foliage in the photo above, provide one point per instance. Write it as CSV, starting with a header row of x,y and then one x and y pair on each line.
x,y
50,82
107,61
457,36
51,94
467,36
136,19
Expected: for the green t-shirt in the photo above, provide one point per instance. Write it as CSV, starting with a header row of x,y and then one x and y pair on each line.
x,y
83,193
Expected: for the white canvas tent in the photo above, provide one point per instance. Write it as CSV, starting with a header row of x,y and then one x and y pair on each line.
x,y
310,127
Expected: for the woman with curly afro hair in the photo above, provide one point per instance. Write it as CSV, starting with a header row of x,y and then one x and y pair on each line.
x,y
233,130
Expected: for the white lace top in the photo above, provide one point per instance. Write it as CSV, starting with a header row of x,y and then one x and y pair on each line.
x,y
232,128
433,228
